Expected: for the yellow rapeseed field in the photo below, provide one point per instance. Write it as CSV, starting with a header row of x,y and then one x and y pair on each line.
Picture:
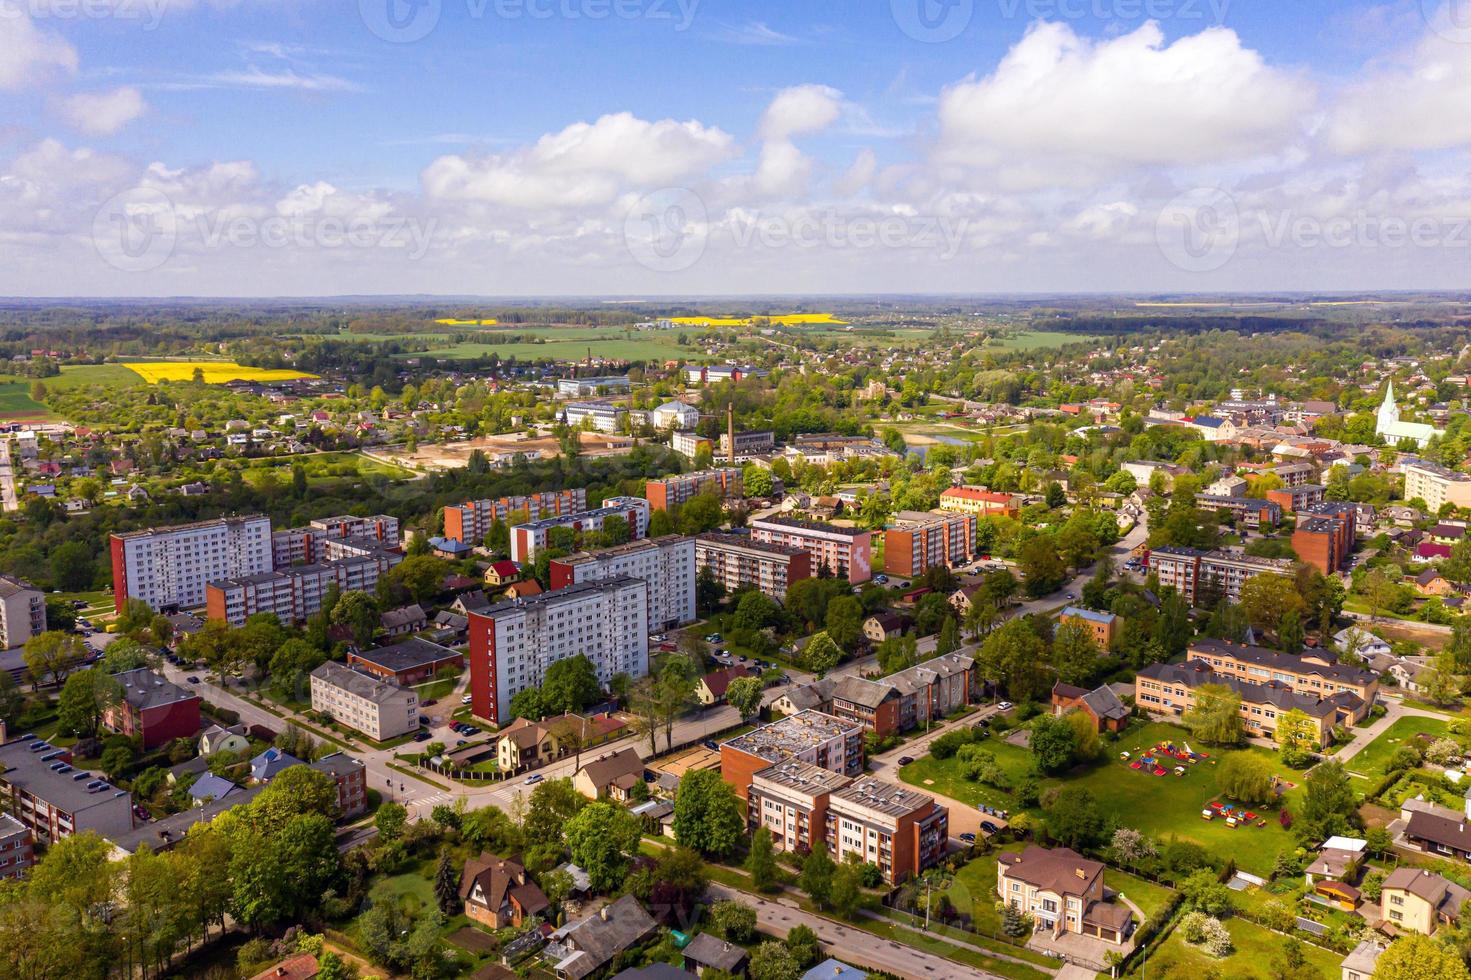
x,y
452,322
215,372
792,319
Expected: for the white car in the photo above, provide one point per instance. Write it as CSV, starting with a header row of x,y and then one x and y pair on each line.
x,y
1005,706
466,699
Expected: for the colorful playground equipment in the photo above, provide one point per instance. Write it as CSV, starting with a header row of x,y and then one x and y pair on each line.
x,y
1234,814
1157,760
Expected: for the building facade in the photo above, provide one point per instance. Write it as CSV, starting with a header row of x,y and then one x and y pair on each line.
x,y
1102,626
1192,572
809,736
169,567
22,612
527,539
666,564
846,552
1436,485
790,800
673,491
153,708
378,709
736,561
980,501
470,522
916,541
303,545
1063,892
513,643
17,852
53,799
899,829
1324,537
295,592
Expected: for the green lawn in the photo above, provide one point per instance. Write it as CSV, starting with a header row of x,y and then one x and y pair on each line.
x,y
1146,894
418,883
1157,805
572,343
1037,340
1374,759
16,402
1256,947
973,892
436,689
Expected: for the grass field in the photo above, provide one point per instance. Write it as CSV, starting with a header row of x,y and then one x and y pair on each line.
x,y
16,402
1037,340
1256,947
1157,805
610,344
322,469
214,372
1374,759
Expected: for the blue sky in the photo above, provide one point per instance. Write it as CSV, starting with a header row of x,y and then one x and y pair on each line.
x,y
1053,147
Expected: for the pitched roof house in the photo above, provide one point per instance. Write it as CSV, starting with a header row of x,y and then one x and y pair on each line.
x,y
613,775
497,892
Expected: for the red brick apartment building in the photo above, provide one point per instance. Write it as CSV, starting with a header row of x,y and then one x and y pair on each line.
x,y
808,736
1294,499
470,522
16,851
673,491
154,708
846,552
1324,537
918,541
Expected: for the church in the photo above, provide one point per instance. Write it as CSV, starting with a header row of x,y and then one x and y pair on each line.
x,y
1393,430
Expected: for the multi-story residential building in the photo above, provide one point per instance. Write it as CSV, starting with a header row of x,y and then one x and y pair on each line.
x,y
1063,892
666,564
1312,673
22,612
979,500
586,387
872,704
512,643
1102,626
736,561
470,522
688,443
527,539
378,709
412,661
40,788
1300,497
1324,537
296,592
1251,511
1193,572
748,443
153,708
844,551
351,777
1296,474
711,373
790,799
1436,485
917,541
302,545
901,830
672,491
602,416
1419,900
808,736
907,699
169,567
16,850
1169,689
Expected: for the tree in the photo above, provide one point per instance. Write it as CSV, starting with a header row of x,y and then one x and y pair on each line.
x,y
1042,569
390,820
135,617
845,622
570,685
1052,743
1131,848
1245,776
1074,654
553,803
1267,598
949,639
821,654
1330,804
601,838
52,654
73,568
744,695
761,862
356,611
846,894
707,814
1417,957
529,703
1203,892
755,610
1074,818
772,961
1296,732
447,885
735,921
1441,685
1216,716
803,943
421,576
85,698
1012,656
816,878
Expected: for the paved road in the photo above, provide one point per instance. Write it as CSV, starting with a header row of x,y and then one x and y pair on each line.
x,y
1393,711
849,944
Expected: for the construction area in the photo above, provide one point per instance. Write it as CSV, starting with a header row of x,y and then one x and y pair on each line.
x,y
500,450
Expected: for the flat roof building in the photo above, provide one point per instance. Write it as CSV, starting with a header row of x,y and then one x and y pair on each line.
x,y
666,564
54,799
901,830
169,567
808,736
737,561
846,552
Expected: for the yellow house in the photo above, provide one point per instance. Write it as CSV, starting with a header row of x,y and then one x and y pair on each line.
x,y
611,777
1421,901
502,573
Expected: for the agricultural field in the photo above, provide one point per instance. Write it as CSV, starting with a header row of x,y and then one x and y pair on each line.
x,y
572,344
16,402
214,372
452,322
1036,340
789,319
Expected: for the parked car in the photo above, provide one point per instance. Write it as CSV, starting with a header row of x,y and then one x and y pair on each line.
x,y
988,826
533,778
711,744
192,679
905,760
422,736
466,699
968,838
1006,706
430,702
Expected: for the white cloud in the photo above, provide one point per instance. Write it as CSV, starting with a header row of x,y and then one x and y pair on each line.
x,y
754,32
584,164
1060,107
288,79
29,55
1419,101
800,111
103,113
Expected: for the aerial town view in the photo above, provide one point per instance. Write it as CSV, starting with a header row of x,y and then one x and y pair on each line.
x,y
657,489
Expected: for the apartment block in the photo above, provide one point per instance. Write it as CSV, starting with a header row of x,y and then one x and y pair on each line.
x,y
1324,537
16,848
901,830
296,592
790,799
40,788
351,777
169,567
1254,512
22,612
603,416
470,522
153,708
1311,673
512,643
1436,485
303,545
736,561
666,564
378,709
907,699
917,541
688,442
980,501
585,387
1102,626
808,736
1193,572
672,491
1296,474
1294,499
527,539
846,552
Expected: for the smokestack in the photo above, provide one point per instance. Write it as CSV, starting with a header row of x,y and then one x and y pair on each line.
x,y
730,428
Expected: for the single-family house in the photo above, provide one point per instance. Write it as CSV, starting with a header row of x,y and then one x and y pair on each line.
x,y
612,776
497,892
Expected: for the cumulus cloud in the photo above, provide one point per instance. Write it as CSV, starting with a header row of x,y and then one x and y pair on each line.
x,y
1060,107
1418,101
584,164
800,111
29,55
103,113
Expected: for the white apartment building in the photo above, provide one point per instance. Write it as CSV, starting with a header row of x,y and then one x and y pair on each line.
x,y
297,545
169,567
513,643
296,592
23,611
602,416
527,539
1436,485
377,709
666,564
736,561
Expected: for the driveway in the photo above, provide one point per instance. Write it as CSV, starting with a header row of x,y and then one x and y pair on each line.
x,y
847,943
1393,711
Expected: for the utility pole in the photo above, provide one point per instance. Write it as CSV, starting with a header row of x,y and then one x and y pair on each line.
x,y
730,429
